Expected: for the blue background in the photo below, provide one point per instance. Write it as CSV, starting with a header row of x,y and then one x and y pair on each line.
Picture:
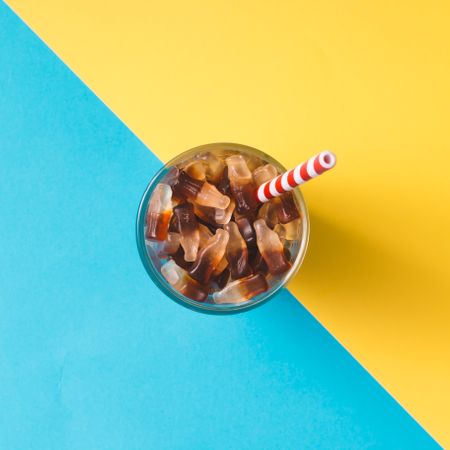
x,y
92,355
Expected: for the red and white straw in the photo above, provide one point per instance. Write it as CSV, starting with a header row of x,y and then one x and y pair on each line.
x,y
300,174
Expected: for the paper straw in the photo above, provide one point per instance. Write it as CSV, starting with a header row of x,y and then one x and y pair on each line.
x,y
300,174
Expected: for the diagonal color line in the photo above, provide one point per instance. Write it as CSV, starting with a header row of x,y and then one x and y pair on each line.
x,y
287,346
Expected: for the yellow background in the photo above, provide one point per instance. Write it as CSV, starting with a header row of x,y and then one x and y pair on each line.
x,y
368,80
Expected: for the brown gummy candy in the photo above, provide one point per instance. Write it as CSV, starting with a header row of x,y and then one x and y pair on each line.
x,y
241,184
209,257
223,216
224,184
177,277
268,211
241,290
215,217
186,186
201,192
237,252
287,209
244,222
264,173
196,170
157,226
206,214
271,248
253,162
178,257
214,166
244,197
276,262
188,226
159,212
291,231
211,197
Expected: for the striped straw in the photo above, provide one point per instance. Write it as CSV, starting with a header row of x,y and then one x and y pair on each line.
x,y
300,174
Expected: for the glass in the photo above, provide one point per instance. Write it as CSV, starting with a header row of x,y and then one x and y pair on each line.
x,y
152,262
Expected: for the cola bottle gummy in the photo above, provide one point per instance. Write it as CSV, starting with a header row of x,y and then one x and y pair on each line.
x,y
188,228
215,216
237,252
159,213
287,209
214,166
264,173
201,192
223,185
241,290
241,184
271,248
178,257
196,170
182,282
244,222
209,257
269,213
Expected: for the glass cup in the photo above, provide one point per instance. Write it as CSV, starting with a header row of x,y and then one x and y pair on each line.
x,y
152,262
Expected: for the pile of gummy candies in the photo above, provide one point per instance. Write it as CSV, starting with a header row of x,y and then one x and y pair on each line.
x,y
219,243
